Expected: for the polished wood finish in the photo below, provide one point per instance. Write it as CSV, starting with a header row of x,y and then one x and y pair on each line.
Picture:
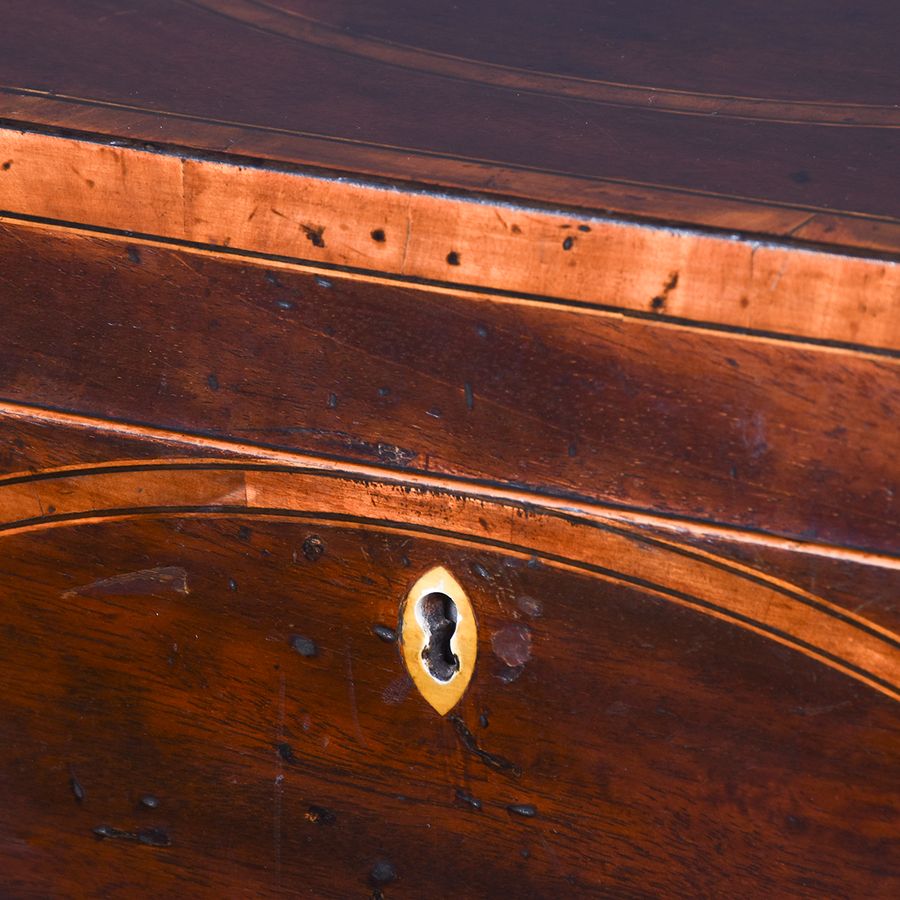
x,y
616,764
311,310
767,435
542,256
727,118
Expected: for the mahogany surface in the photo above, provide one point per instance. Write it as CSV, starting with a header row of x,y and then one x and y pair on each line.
x,y
769,108
595,306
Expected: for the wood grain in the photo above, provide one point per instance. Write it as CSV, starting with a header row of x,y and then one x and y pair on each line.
x,y
608,107
583,315
790,440
422,237
608,764
703,582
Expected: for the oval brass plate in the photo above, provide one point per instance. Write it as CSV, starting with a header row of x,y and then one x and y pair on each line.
x,y
439,638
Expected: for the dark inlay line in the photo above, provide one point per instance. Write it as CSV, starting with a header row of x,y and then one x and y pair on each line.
x,y
364,38
538,491
561,302
681,550
343,518
413,151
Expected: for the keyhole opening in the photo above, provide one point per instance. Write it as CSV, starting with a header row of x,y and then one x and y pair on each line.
x,y
440,616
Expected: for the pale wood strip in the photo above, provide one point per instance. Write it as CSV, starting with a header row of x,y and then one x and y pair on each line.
x,y
717,279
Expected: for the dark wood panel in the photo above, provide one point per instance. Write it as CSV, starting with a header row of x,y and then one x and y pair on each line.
x,y
30,445
765,435
757,49
276,772
754,114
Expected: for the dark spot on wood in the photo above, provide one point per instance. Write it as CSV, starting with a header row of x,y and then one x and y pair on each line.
x,y
388,635
51,509
434,412
584,228
470,396
134,255
522,809
384,392
151,837
272,278
659,302
244,532
156,582
285,304
732,362
77,789
483,719
800,177
515,229
568,243
107,831
149,801
286,752
303,645
453,258
7,165
314,234
232,584
154,837
313,548
320,815
323,282
745,302
394,455
530,606
492,760
405,562
467,799
379,235
512,644
479,570
383,872
481,331
572,449
332,401
213,381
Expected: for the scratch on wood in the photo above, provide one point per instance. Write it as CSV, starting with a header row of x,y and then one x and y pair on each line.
x,y
406,240
492,760
278,800
144,583
351,683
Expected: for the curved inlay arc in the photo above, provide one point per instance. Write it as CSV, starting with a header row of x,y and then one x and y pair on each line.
x,y
299,26
677,573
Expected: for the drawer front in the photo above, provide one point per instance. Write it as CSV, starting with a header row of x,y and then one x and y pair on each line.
x,y
204,686
222,480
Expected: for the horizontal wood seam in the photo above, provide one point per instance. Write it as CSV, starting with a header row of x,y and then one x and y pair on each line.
x,y
674,525
710,279
474,292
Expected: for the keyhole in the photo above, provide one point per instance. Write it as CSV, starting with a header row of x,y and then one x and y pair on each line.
x,y
440,617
